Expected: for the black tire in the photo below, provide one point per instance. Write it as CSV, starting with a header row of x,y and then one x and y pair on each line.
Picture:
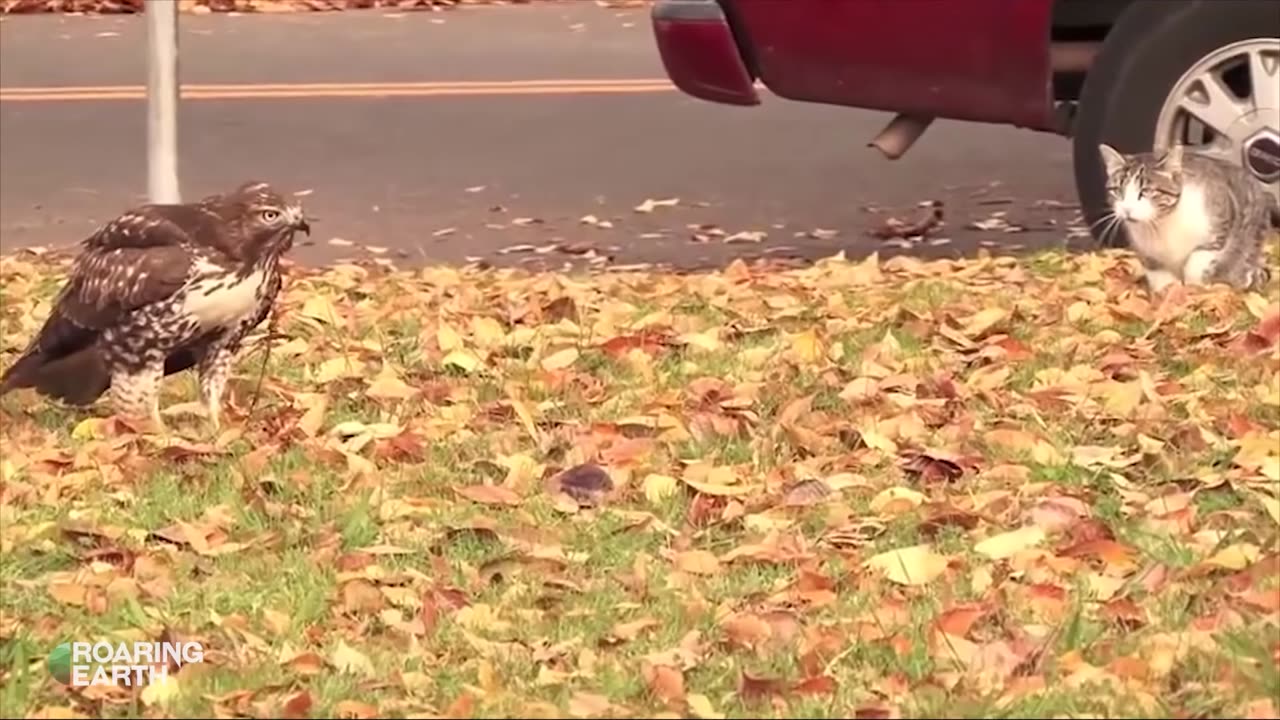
x,y
1146,52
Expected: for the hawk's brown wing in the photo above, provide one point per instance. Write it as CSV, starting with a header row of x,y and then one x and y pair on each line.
x,y
136,260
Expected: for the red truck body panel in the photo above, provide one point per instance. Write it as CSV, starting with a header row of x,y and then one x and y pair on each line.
x,y
979,60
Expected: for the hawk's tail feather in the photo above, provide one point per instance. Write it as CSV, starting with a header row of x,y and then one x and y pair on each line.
x,y
19,375
77,379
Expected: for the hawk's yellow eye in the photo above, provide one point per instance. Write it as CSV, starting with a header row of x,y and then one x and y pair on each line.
x,y
270,216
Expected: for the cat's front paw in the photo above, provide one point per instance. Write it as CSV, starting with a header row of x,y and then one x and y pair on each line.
x,y
1160,280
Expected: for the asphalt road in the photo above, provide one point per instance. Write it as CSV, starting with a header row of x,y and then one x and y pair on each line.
x,y
445,176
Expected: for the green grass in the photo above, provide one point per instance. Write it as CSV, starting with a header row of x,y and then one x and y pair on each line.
x,y
343,542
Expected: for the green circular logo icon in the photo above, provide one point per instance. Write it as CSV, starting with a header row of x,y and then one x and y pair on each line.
x,y
59,663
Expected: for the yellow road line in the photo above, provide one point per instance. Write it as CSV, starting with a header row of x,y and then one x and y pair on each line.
x,y
429,84
347,90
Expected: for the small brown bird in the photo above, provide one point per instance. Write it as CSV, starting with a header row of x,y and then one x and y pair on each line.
x,y
158,290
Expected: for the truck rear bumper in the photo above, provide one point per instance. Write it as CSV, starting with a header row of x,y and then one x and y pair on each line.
x,y
699,53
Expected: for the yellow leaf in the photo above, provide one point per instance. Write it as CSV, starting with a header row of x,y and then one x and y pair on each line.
x,y
162,690
68,593
697,562
481,616
277,622
1008,544
700,707
89,429
523,412
659,487
1260,306
1272,505
461,359
878,441
1236,557
560,360
983,321
897,499
916,565
1270,468
722,490
320,308
387,386
1122,398
335,368
487,332
860,389
317,404
807,346
1017,440
347,659
708,340
447,338
522,470
722,480
1254,450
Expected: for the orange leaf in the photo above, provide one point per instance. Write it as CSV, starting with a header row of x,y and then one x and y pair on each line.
x,y
462,707
623,632
67,593
747,629
296,705
818,685
361,597
665,682
697,562
754,689
959,620
489,494
1107,550
307,663
1124,612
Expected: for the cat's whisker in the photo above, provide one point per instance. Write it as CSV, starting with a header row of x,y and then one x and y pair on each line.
x,y
1109,215
1109,230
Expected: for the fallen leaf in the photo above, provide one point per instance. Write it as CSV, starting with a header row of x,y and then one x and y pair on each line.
x,y
296,705
658,488
560,360
697,562
649,205
347,659
665,682
916,565
489,494
1008,544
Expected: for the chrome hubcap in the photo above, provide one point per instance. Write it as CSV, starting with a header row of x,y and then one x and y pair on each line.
x,y
1228,105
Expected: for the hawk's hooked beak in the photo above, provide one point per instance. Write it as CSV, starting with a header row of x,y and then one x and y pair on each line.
x,y
300,220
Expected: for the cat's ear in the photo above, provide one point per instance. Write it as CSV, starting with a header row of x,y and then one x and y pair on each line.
x,y
1172,160
1112,159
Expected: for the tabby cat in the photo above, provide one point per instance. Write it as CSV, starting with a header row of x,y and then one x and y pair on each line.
x,y
1191,218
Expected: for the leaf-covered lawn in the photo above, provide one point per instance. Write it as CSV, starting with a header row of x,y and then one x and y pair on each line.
x,y
996,487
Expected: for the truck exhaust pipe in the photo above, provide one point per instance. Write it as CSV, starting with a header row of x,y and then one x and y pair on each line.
x,y
900,134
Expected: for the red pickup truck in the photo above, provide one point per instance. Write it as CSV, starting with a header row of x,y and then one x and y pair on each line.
x,y
1137,74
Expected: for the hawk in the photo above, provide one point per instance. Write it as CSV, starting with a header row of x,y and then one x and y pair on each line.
x,y
159,290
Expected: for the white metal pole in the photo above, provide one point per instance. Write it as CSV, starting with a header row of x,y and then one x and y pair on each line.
x,y
162,101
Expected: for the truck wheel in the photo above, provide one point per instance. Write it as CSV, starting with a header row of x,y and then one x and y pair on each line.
x,y
1205,73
